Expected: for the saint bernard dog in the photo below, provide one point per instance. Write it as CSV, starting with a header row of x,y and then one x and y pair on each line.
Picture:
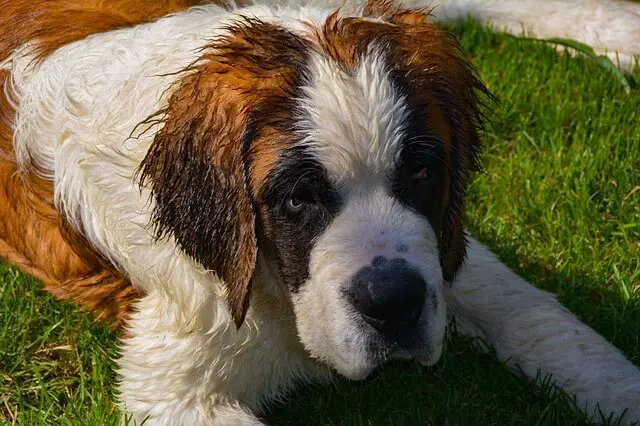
x,y
263,194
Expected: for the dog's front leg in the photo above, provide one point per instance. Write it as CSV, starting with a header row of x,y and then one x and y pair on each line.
x,y
224,415
532,331
179,369
186,363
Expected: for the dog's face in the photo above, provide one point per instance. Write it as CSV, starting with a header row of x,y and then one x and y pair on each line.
x,y
343,152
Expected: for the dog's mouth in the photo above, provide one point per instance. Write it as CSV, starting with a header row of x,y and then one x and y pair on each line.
x,y
412,343
432,357
381,356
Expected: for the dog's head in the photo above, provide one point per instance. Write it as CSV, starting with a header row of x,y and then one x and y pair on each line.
x,y
343,151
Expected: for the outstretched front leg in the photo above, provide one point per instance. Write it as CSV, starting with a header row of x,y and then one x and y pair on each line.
x,y
532,331
610,27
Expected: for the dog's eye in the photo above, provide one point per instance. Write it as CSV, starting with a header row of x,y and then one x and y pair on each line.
x,y
420,174
299,200
295,204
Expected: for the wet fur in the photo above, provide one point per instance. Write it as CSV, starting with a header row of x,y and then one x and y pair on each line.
x,y
95,246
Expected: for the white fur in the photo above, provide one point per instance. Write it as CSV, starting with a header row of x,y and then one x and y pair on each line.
x,y
355,124
533,332
184,362
371,224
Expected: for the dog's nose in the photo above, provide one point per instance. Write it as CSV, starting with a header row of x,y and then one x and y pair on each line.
x,y
389,294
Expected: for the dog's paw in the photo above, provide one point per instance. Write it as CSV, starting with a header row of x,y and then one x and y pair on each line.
x,y
194,415
234,415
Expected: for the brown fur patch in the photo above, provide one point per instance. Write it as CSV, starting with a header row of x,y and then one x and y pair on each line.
x,y
33,236
439,82
220,139
54,23
32,239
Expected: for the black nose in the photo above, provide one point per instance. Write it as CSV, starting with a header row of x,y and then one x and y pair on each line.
x,y
389,294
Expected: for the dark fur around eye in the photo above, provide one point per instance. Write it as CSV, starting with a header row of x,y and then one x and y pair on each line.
x,y
300,204
419,182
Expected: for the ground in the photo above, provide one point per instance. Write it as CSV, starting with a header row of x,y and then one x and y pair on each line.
x,y
559,202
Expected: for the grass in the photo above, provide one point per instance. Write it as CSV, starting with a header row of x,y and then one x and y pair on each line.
x,y
559,202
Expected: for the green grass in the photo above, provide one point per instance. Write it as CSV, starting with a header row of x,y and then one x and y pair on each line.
x,y
559,202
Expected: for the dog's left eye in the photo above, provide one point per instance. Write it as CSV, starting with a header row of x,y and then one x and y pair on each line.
x,y
420,174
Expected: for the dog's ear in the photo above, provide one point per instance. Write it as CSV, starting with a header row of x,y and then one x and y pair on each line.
x,y
444,85
198,164
453,239
198,180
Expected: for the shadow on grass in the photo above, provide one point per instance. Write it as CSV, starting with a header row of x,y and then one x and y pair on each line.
x,y
468,387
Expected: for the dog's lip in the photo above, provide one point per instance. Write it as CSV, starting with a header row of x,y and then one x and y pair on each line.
x,y
427,362
431,358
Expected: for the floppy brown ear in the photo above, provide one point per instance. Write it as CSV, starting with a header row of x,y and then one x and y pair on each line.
x,y
198,181
198,164
453,239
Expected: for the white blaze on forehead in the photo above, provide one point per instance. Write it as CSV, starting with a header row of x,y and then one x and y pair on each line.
x,y
353,123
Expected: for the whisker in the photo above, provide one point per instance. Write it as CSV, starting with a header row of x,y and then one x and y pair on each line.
x,y
449,253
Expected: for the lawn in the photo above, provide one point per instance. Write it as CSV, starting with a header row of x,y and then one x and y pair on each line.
x,y
559,202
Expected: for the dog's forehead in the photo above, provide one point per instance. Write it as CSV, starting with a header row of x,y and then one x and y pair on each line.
x,y
346,115
353,121
365,90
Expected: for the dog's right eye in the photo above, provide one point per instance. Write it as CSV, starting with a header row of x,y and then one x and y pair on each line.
x,y
299,200
295,205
